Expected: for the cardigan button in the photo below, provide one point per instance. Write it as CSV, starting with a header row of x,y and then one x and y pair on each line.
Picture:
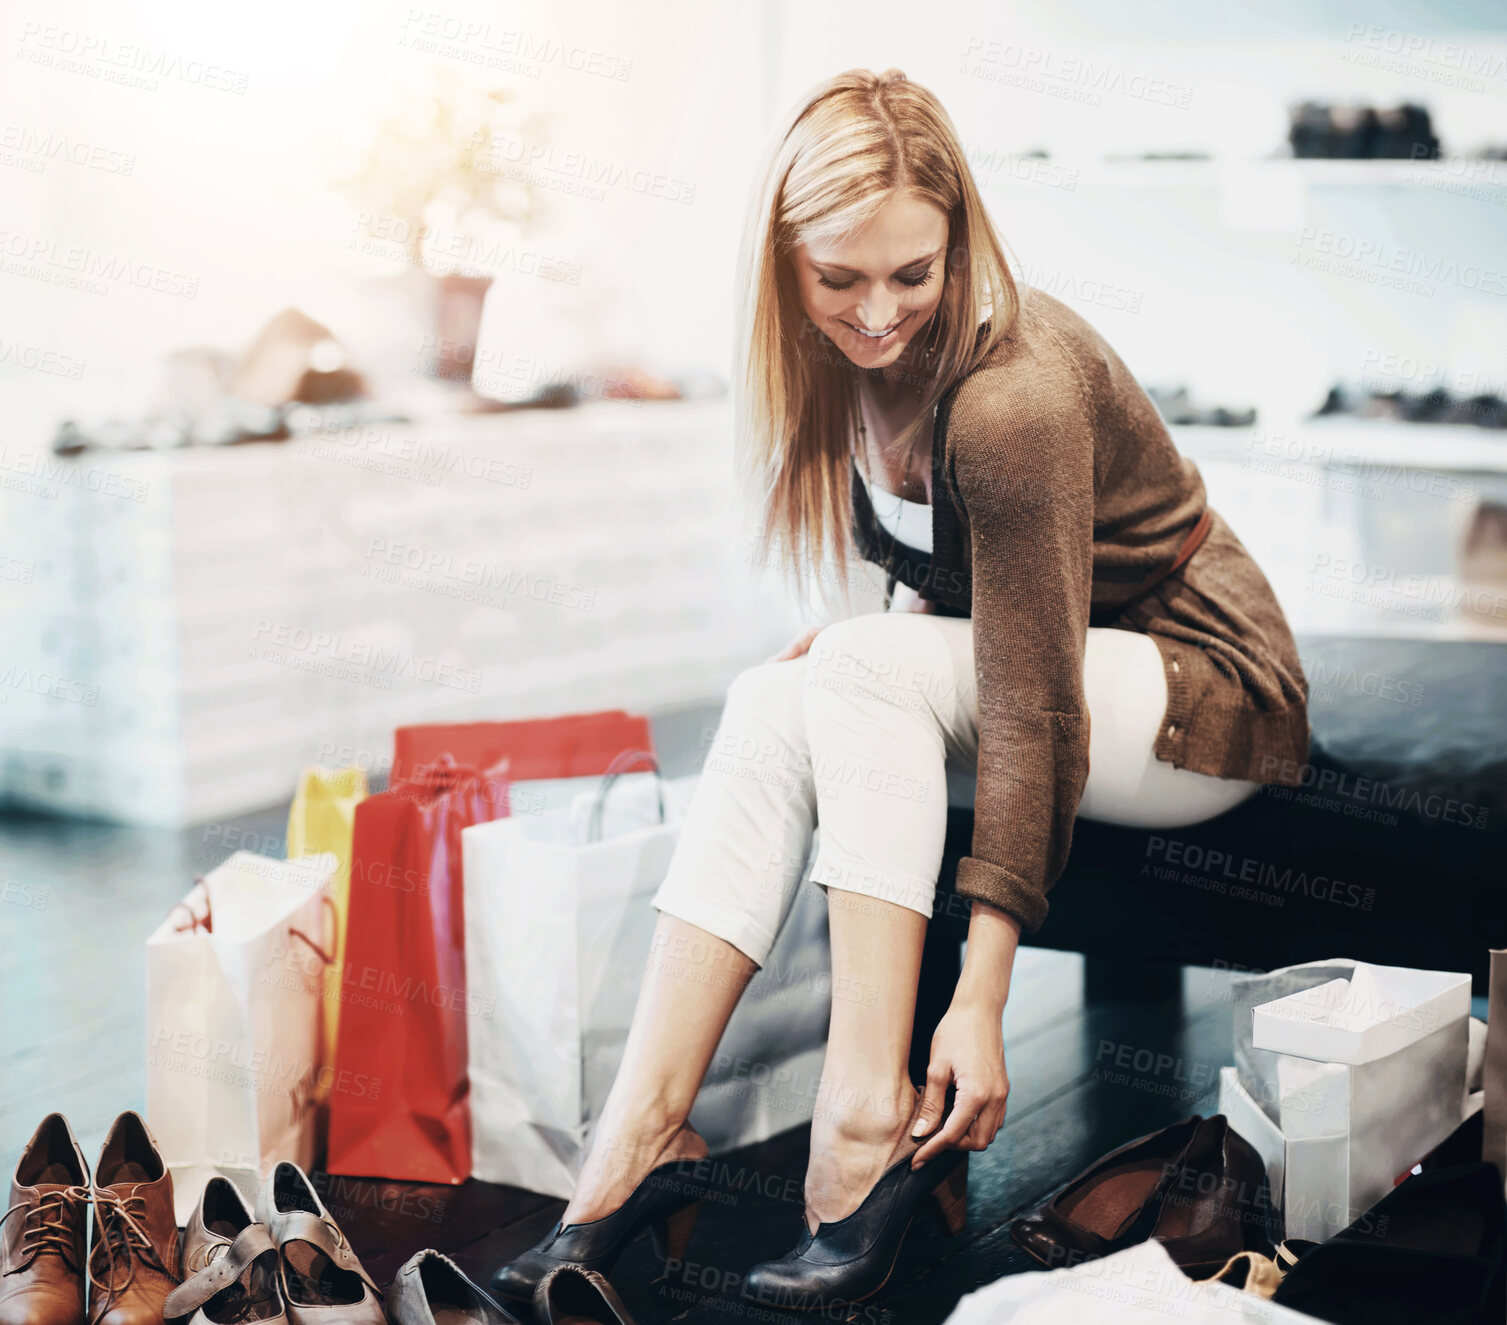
x,y
1176,666
1172,730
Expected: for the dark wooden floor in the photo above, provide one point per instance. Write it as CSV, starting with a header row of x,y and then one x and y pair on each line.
x,y
1092,1062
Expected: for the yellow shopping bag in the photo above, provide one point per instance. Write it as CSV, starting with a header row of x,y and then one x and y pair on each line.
x,y
322,819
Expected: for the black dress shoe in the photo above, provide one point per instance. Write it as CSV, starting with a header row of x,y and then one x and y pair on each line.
x,y
431,1289
1110,1205
1429,1250
569,1295
853,1258
666,1203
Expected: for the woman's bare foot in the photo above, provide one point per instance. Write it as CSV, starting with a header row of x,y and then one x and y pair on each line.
x,y
856,1134
622,1159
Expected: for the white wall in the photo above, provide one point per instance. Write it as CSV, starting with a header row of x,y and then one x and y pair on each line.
x,y
233,190
1193,272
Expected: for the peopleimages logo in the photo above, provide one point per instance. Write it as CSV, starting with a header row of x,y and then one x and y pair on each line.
x,y
358,661
14,678
1246,871
1326,678
53,473
1372,791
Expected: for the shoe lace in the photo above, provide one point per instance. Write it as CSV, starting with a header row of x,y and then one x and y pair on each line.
x,y
46,1226
117,1223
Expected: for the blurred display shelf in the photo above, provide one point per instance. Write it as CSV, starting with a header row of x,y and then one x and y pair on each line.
x,y
1311,172
1361,526
1266,188
1340,442
284,599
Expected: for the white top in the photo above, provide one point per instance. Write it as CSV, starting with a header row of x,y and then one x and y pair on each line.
x,y
907,522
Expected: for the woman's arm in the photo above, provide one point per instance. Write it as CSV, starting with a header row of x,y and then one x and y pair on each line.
x,y
1025,479
993,937
969,1047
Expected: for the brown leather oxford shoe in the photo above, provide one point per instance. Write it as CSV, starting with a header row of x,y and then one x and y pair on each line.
x,y
133,1258
43,1235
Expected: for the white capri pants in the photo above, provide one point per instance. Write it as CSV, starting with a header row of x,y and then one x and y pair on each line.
x,y
857,736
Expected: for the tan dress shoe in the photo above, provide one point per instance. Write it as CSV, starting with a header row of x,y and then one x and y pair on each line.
x,y
431,1289
221,1216
133,1256
570,1295
322,1281
44,1233
231,1264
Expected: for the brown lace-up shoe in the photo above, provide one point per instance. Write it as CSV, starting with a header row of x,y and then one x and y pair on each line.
x,y
133,1260
43,1234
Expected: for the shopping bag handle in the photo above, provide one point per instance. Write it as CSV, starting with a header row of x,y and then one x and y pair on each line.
x,y
623,763
196,922
326,954
444,773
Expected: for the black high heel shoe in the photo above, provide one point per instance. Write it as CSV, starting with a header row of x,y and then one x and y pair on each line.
x,y
667,1203
854,1258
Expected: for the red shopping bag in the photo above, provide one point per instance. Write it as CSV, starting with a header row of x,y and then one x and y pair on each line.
x,y
398,1106
578,745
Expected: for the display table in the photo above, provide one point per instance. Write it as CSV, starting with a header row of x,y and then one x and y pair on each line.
x,y
188,628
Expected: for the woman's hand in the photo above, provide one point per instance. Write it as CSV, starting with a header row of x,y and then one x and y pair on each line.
x,y
801,644
967,1051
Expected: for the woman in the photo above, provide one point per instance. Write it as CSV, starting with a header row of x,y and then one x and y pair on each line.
x,y
1056,564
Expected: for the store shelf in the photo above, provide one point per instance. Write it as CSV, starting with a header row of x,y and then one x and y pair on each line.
x,y
1342,443
460,566
1310,172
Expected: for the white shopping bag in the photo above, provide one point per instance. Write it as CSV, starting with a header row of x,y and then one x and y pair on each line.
x,y
234,976
1355,1071
557,935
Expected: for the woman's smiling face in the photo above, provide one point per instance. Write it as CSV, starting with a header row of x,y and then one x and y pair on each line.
x,y
874,291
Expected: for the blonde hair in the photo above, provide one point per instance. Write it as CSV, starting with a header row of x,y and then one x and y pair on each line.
x,y
854,142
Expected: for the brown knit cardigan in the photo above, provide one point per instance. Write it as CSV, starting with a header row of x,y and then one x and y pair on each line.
x,y
1056,490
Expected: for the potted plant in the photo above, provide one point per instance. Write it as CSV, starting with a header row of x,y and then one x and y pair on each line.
x,y
437,188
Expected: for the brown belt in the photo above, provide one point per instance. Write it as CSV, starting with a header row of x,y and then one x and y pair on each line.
x,y
1191,544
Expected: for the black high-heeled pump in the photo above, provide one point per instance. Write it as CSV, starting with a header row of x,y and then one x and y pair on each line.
x,y
667,1203
853,1258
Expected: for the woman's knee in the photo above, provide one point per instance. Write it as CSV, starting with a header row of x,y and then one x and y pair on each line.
x,y
763,717
768,691
899,658
869,640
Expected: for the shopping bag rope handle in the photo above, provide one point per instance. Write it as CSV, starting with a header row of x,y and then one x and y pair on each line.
x,y
206,922
328,958
196,922
623,763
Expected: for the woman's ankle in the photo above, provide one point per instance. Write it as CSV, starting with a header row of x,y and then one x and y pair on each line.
x,y
622,1158
858,1132
864,1110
